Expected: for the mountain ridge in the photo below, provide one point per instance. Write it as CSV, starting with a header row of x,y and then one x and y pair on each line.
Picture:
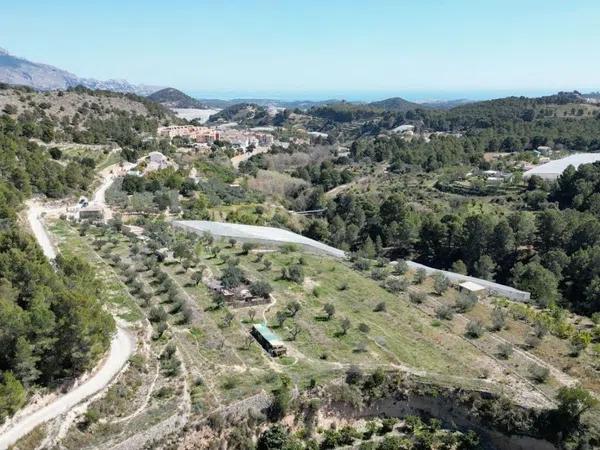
x,y
16,70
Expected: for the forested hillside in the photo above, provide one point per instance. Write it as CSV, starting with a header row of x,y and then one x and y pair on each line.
x,y
52,325
83,116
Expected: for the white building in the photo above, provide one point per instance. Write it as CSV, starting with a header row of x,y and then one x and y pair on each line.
x,y
553,169
469,287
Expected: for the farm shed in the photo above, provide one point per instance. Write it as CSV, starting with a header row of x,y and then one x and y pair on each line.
x,y
269,340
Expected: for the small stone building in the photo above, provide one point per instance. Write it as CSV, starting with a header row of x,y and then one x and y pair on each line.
x,y
92,212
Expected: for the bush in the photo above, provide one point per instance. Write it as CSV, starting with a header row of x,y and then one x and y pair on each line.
x,y
444,312
420,276
363,327
465,303
395,284
329,310
378,274
354,375
505,350
440,283
474,329
401,267
294,273
532,341
247,247
362,264
417,297
538,373
261,289
498,317
157,314
380,307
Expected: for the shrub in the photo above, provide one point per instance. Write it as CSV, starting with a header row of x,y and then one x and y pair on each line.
x,y
293,307
465,303
505,350
417,297
401,267
378,274
343,286
354,375
395,284
474,329
440,283
380,307
345,324
444,312
362,264
387,425
329,310
363,327
420,276
261,289
538,373
247,247
532,341
294,273
157,314
498,317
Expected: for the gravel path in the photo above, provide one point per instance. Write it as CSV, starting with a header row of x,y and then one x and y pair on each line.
x,y
122,345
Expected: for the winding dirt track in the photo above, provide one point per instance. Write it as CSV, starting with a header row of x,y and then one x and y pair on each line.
x,y
122,345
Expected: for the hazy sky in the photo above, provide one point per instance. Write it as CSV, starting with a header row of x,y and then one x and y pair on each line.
x,y
318,46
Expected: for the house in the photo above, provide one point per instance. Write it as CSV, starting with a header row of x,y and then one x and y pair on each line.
x,y
469,287
91,212
544,150
268,340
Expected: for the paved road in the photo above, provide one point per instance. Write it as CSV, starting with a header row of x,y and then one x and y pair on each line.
x,y
122,345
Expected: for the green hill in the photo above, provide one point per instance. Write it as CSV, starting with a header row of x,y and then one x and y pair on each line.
x,y
174,98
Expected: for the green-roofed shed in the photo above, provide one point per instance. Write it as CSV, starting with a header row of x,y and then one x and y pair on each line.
x,y
269,340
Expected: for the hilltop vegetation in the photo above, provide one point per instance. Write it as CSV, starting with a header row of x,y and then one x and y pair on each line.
x,y
173,98
83,116
247,114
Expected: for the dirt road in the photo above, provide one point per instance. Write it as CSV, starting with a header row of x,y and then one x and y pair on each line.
x,y
122,345
121,348
34,217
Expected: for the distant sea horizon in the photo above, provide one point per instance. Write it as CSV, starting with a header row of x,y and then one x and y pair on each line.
x,y
419,96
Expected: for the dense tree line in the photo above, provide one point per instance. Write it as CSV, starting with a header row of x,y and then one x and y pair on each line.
x,y
325,175
553,253
52,325
29,169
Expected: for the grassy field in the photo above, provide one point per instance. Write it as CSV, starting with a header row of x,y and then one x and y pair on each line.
x,y
371,328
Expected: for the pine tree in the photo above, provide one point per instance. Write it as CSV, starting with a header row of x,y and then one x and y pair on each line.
x,y
25,362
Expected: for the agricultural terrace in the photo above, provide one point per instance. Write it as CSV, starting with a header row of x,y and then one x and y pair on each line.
x,y
331,315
